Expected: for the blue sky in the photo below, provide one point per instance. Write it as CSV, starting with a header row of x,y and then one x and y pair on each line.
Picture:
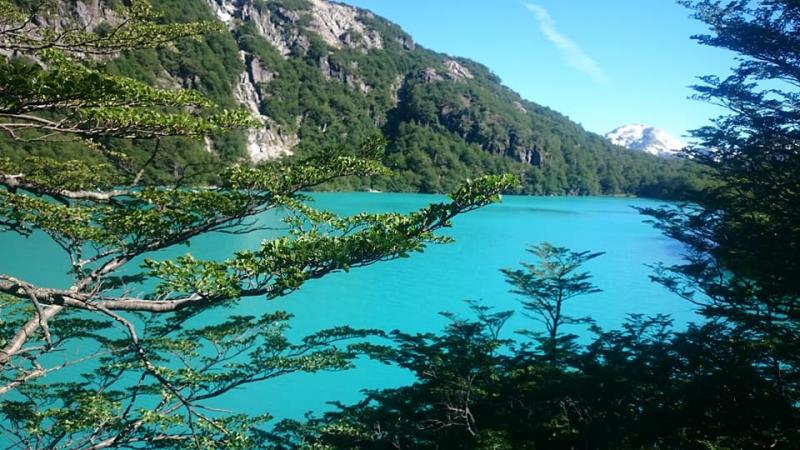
x,y
603,63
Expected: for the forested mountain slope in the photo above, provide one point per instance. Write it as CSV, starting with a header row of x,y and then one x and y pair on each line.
x,y
320,75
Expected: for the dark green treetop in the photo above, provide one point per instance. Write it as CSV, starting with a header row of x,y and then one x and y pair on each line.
x,y
744,230
547,285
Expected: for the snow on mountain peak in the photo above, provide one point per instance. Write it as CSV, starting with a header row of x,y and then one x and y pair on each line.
x,y
646,139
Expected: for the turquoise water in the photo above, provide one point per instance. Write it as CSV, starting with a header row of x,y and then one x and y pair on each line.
x,y
408,294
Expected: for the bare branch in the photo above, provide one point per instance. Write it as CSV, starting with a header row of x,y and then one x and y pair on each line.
x,y
16,181
25,332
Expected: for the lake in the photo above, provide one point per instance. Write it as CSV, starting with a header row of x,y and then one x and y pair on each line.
x,y
408,294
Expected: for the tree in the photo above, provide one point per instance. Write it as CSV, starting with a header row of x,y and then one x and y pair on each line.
x,y
744,230
547,285
644,385
453,403
145,371
731,382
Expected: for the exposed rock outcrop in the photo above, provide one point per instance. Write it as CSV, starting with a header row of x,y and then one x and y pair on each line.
x,y
338,26
258,73
456,71
226,11
208,144
406,42
453,70
532,156
270,141
430,75
91,13
279,29
276,25
394,89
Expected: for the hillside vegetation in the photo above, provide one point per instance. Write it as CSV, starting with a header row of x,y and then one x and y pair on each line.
x,y
322,76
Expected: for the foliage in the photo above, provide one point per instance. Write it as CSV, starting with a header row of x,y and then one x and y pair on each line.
x,y
54,94
139,371
441,129
546,286
643,386
104,81
744,231
729,383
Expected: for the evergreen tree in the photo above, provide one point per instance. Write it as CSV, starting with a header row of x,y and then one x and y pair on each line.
x,y
744,231
546,286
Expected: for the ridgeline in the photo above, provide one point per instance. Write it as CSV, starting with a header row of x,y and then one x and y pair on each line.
x,y
321,76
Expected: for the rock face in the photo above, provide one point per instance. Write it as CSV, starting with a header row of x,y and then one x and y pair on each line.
x,y
456,71
533,157
91,13
336,24
270,141
646,139
276,26
453,71
330,69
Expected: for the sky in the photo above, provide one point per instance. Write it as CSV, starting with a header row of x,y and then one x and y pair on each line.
x,y
603,63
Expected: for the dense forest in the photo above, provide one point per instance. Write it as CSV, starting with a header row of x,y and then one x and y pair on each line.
x,y
445,119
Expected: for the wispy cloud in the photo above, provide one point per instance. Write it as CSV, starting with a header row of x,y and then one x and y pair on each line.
x,y
572,53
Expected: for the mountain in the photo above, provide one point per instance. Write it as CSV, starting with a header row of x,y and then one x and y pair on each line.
x,y
646,139
320,75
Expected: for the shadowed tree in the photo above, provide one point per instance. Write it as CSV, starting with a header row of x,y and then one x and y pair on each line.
x,y
743,232
644,385
458,375
546,286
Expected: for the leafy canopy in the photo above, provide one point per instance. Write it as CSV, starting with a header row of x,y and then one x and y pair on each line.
x,y
138,373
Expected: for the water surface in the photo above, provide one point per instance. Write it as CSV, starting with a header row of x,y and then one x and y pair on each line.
x,y
408,294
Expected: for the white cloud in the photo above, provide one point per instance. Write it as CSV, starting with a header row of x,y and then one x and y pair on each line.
x,y
572,53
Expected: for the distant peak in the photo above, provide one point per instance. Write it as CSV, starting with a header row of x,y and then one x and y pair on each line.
x,y
647,139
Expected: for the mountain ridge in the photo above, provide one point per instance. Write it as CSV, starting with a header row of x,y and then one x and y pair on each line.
x,y
319,74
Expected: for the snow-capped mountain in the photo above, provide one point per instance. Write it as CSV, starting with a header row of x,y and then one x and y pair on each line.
x,y
647,139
